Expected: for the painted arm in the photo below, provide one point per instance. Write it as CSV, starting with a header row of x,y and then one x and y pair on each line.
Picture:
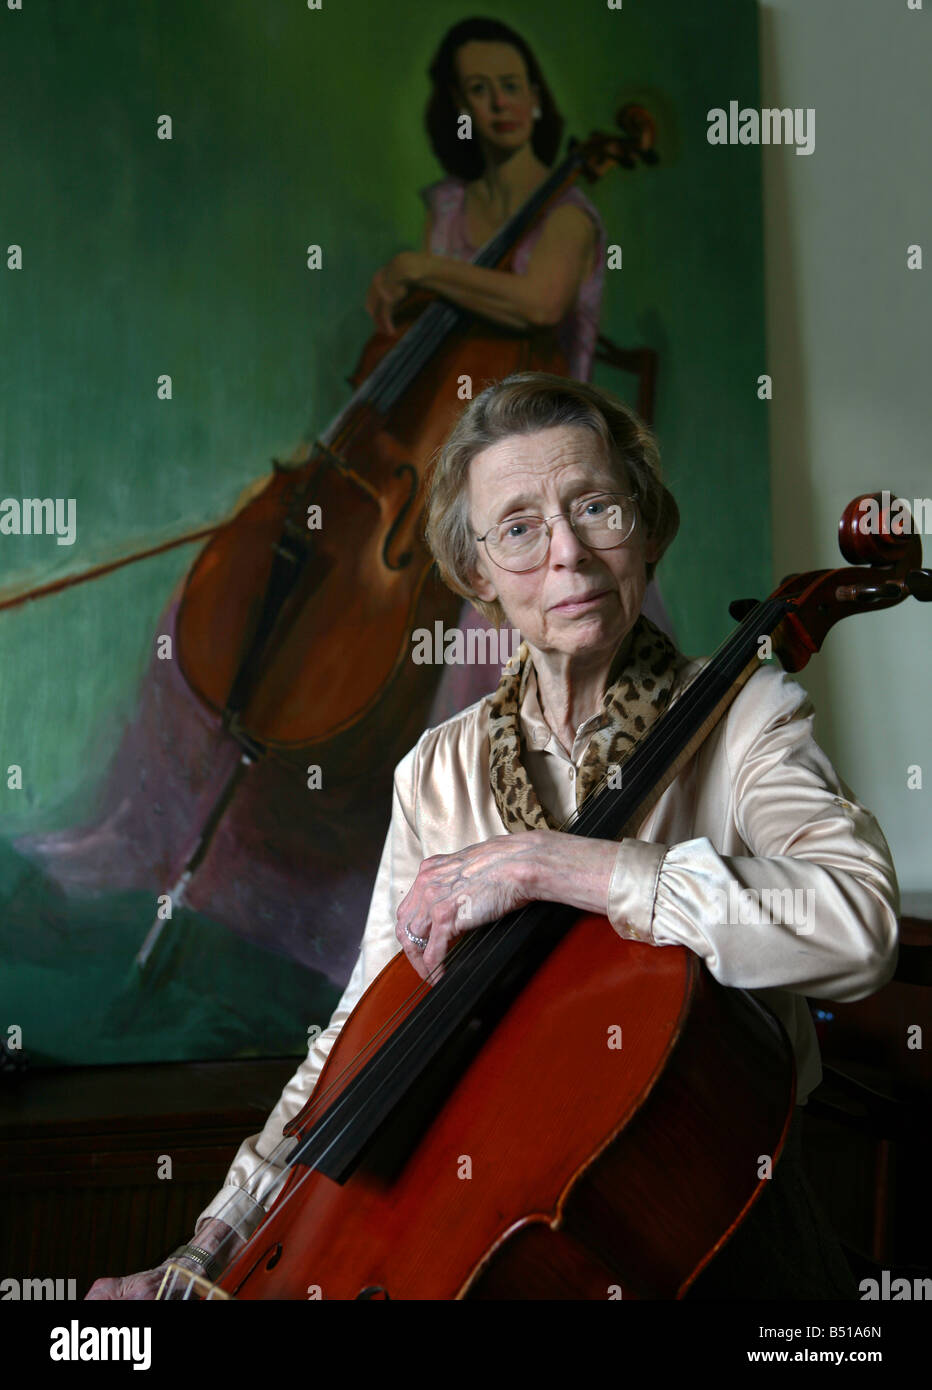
x,y
540,297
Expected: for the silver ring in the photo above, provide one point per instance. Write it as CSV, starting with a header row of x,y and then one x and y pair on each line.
x,y
419,941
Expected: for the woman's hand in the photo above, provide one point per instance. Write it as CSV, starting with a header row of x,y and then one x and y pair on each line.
x,y
135,1286
390,285
455,893
214,1236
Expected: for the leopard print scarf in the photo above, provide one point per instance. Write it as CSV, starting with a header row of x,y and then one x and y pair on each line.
x,y
633,699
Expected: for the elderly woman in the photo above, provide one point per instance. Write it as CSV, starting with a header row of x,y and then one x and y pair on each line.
x,y
547,511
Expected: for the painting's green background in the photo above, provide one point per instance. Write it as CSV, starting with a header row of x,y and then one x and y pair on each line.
x,y
142,256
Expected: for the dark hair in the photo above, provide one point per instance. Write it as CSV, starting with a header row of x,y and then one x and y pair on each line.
x,y
463,158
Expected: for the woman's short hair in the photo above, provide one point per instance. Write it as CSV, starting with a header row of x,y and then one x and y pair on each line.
x,y
463,158
526,403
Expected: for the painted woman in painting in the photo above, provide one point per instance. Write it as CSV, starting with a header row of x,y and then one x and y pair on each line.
x,y
277,849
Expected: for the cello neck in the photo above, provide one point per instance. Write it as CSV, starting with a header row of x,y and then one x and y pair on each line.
x,y
660,755
502,243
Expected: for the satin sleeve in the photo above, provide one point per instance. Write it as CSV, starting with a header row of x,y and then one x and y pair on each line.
x,y
260,1165
809,904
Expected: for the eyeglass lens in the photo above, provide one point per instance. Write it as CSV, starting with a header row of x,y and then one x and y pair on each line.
x,y
601,522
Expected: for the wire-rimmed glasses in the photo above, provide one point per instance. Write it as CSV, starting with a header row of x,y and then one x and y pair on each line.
x,y
601,521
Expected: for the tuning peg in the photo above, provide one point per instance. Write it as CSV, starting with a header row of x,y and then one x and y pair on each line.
x,y
867,593
919,584
740,607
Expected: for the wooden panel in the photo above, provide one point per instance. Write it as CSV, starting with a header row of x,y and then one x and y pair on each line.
x,y
79,1155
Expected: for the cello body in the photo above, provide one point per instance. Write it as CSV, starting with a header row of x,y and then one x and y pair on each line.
x,y
565,1160
339,657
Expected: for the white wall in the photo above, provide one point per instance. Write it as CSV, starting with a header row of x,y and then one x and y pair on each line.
x,y
849,341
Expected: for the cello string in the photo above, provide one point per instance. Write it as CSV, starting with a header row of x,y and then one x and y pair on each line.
x,y
399,364
472,943
424,342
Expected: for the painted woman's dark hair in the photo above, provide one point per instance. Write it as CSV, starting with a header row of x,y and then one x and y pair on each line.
x,y
463,158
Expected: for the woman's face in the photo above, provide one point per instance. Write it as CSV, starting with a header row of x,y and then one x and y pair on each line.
x,y
578,601
494,89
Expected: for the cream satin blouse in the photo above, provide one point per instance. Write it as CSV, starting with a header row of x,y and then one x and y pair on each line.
x,y
759,807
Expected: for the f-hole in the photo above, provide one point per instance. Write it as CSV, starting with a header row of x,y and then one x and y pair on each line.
x,y
404,559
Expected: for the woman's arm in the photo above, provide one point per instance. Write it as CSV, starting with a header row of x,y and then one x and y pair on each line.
x,y
540,297
452,894
214,1237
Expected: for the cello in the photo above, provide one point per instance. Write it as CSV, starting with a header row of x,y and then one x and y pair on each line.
x,y
583,1176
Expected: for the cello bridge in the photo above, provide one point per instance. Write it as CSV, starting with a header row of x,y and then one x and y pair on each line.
x,y
180,1283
